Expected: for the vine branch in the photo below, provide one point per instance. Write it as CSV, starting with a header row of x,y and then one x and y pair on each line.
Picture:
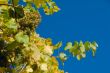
x,y
6,4
14,9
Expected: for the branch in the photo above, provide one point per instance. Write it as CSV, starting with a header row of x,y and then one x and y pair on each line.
x,y
6,4
14,9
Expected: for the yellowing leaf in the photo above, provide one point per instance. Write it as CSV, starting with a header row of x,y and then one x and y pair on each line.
x,y
87,45
11,24
58,45
3,1
83,55
29,69
68,46
21,38
78,57
63,56
27,0
16,2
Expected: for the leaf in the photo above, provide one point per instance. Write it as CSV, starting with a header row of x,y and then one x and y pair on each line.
x,y
3,1
95,44
19,12
2,69
87,45
83,55
63,56
78,57
76,52
58,45
48,41
12,45
56,9
39,3
15,2
68,46
28,0
11,24
21,38
75,46
93,49
82,47
48,6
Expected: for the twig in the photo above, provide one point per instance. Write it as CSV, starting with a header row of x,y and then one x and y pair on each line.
x,y
11,61
6,4
14,10
23,67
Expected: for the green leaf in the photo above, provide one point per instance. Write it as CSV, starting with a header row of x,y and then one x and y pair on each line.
x,y
87,45
78,57
68,46
28,0
63,56
76,44
58,45
15,2
19,12
21,38
74,48
76,52
95,44
82,47
12,45
11,24
83,55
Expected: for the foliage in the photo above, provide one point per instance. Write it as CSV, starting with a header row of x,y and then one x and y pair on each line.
x,y
22,50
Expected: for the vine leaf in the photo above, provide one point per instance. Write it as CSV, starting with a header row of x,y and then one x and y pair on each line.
x,y
21,38
79,50
94,46
3,1
58,45
68,46
15,2
63,57
11,24
12,45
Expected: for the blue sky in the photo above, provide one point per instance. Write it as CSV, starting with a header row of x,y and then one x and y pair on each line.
x,y
86,20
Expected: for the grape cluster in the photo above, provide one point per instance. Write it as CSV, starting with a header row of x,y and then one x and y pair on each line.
x,y
30,20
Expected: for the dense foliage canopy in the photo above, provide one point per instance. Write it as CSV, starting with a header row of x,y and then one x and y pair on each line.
x,y
22,50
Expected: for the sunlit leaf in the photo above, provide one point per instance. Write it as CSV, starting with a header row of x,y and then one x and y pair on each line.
x,y
68,46
63,56
87,45
78,57
11,24
58,45
21,38
83,55
3,1
12,45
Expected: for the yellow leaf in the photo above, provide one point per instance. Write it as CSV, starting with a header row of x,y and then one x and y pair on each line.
x,y
3,1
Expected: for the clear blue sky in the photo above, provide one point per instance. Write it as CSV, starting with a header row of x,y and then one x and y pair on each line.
x,y
81,20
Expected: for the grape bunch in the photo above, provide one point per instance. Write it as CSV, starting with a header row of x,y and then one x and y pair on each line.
x,y
29,21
